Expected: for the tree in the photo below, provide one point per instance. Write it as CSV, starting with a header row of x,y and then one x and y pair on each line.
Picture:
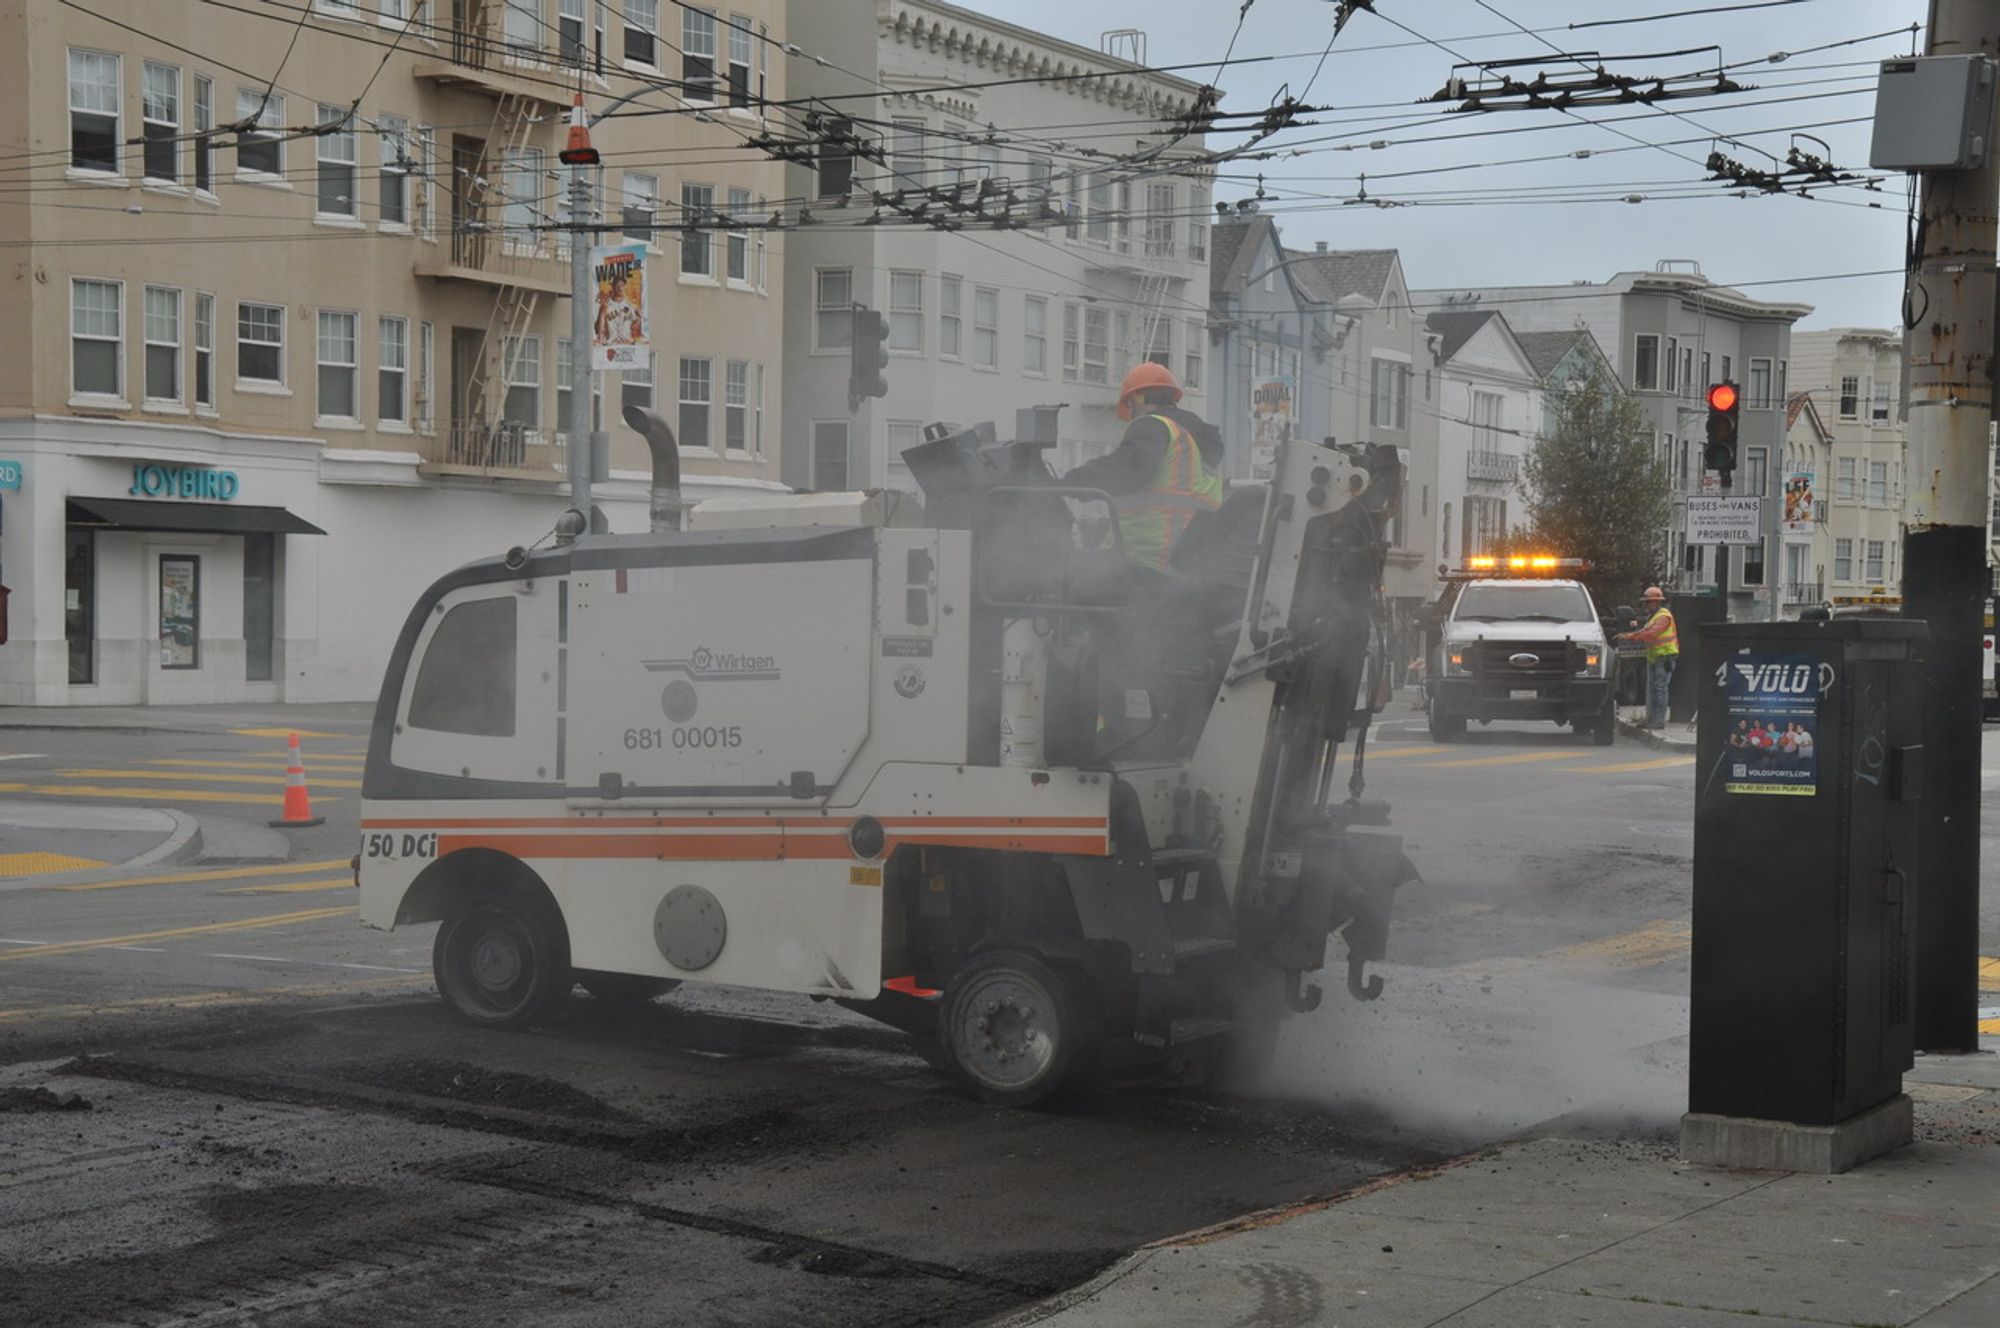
x,y
1594,489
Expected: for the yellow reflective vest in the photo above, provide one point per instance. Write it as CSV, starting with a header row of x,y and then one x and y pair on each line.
x,y
1150,520
1668,642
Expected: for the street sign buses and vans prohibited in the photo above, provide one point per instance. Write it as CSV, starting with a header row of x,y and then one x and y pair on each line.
x,y
1718,519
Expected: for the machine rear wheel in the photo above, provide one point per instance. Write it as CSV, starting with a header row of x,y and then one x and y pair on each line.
x,y
501,962
1010,1028
1444,725
623,989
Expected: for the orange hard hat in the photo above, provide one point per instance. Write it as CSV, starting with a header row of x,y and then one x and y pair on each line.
x,y
1143,376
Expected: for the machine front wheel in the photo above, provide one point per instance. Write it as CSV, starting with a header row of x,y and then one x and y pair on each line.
x,y
1010,1028
501,962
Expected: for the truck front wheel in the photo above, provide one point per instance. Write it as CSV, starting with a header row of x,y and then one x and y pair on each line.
x,y
1444,725
1010,1028
501,962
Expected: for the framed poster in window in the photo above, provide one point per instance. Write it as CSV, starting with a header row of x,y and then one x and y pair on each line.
x,y
180,611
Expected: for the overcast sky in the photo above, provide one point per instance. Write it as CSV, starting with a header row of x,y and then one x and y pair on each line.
x,y
1377,70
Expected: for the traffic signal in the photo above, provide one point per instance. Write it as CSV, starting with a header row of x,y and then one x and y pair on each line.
x,y
867,376
1723,405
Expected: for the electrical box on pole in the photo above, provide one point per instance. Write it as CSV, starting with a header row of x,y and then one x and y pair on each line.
x,y
1932,113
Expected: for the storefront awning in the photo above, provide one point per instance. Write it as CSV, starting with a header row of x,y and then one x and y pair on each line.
x,y
208,518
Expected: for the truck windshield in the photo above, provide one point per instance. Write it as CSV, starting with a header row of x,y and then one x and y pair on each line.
x,y
1524,602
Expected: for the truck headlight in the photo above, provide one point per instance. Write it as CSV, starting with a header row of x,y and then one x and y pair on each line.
x,y
1594,662
1454,662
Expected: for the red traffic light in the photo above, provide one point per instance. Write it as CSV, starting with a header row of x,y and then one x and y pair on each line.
x,y
1722,396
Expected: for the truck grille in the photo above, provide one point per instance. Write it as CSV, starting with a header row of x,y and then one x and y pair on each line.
x,y
1525,661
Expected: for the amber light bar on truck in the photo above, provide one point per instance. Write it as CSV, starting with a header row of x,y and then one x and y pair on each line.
x,y
1486,566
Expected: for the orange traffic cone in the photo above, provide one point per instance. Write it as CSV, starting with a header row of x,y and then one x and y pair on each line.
x,y
298,803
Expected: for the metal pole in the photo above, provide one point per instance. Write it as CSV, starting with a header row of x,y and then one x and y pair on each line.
x,y
577,426
1950,350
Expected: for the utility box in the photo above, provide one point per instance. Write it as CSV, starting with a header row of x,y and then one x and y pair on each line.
x,y
1932,113
1808,774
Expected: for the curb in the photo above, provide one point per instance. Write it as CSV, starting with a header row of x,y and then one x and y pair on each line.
x,y
182,844
1648,738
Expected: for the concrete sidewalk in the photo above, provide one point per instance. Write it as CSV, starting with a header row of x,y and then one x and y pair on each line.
x,y
1555,1231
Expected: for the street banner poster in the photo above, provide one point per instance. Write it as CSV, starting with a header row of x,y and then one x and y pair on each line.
x,y
1271,423
620,334
1725,520
180,611
1772,728
1799,502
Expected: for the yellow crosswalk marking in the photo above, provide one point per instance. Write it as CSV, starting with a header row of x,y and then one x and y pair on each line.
x,y
279,764
13,866
234,996
212,874
1991,1026
1391,753
146,794
1657,763
1511,758
292,887
265,780
206,928
282,734
1989,974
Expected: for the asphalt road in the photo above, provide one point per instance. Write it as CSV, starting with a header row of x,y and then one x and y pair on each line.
x,y
283,1126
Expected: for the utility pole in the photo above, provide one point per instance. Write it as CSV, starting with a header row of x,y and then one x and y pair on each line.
x,y
1950,401
581,453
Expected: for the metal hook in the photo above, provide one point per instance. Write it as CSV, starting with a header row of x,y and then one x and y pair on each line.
x,y
1357,988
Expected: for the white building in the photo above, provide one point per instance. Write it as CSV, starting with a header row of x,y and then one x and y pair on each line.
x,y
1853,377
982,321
1489,408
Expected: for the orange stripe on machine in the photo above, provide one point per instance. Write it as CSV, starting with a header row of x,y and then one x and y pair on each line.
x,y
747,839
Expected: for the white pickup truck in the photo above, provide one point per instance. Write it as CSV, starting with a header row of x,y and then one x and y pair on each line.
x,y
1518,640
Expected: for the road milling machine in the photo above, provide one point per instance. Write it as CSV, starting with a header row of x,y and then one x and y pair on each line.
x,y
1062,817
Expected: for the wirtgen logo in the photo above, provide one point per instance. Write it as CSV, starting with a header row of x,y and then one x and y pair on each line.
x,y
706,665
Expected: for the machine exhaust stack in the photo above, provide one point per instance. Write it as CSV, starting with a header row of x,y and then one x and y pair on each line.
x,y
659,435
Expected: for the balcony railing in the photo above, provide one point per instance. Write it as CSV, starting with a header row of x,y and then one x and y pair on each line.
x,y
1805,592
1498,467
479,253
504,447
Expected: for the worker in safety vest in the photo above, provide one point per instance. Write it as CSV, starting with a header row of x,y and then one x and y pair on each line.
x,y
1662,640
1166,468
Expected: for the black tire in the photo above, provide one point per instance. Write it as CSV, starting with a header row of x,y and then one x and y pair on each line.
x,y
1010,1029
1604,729
624,990
502,962
1444,726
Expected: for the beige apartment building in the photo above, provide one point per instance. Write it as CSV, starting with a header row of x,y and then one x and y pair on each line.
x,y
1850,438
287,318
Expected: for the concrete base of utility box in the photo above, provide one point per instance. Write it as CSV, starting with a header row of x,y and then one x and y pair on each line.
x,y
1744,1142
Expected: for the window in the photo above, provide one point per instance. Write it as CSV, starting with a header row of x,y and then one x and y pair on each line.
x,y
204,123
903,435
906,154
836,158
571,44
392,370
338,8
1097,224
1673,363
1755,469
204,351
697,204
833,308
336,360
986,327
1072,343
1783,397
180,611
466,681
642,27
641,195
1878,483
697,54
394,11
761,247
1688,385
829,454
163,344
97,337
93,111
522,26
1035,336
1160,220
951,317
1728,374
736,406
636,389
160,113
696,393
1124,216
1073,207
260,150
1646,363
1197,339
521,173
1850,397
1875,551
763,54
1753,564
1486,418
1760,385
1389,400
336,163
1707,378
1198,240
906,311
739,241
1160,349
1878,408
1843,480
1096,345
1843,560
739,61
425,338
393,134
757,421
1040,178
521,361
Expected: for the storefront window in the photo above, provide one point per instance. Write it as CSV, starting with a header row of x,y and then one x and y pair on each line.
x,y
180,611
79,600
